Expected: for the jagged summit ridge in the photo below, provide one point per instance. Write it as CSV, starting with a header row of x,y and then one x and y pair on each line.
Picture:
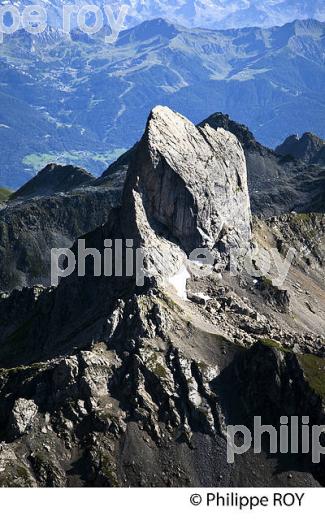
x,y
242,132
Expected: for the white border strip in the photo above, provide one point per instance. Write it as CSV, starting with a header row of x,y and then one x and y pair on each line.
x,y
157,504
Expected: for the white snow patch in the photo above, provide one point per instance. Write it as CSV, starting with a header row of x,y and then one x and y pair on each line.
x,y
178,281
204,296
204,235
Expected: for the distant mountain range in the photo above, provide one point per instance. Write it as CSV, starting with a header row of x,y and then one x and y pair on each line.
x,y
74,99
217,14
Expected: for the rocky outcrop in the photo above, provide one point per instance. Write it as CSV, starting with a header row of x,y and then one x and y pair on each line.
x,y
107,383
308,148
149,405
243,134
188,186
279,181
172,203
53,179
32,225
21,417
276,185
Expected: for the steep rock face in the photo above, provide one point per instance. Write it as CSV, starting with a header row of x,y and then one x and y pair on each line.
x,y
279,181
243,134
192,184
30,228
265,169
35,222
277,184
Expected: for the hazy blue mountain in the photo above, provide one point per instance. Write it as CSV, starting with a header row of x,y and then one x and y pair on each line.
x,y
74,99
216,14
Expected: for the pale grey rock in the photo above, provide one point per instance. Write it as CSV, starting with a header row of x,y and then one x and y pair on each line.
x,y
186,189
96,371
64,378
22,416
193,181
200,299
7,456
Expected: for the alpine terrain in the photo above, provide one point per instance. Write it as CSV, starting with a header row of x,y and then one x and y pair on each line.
x,y
105,381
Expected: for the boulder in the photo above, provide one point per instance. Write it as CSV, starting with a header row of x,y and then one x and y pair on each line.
x,y
21,417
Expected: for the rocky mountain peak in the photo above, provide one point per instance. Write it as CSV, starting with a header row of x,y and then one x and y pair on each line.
x,y
242,132
189,186
105,383
54,178
307,148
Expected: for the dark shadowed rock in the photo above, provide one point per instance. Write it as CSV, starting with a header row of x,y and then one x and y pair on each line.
x,y
30,227
278,183
308,148
54,178
243,134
